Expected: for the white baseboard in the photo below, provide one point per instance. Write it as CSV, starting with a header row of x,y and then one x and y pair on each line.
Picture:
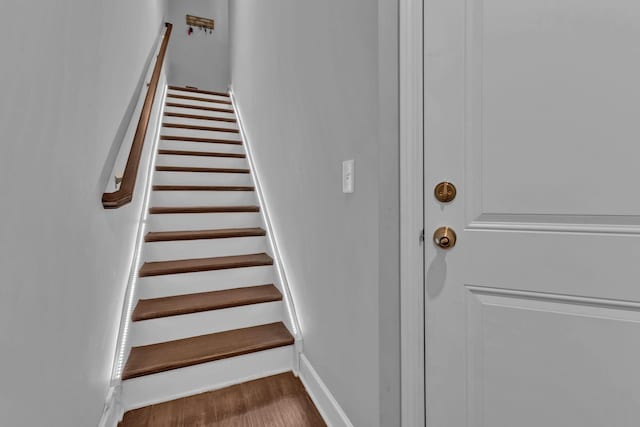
x,y
328,406
113,408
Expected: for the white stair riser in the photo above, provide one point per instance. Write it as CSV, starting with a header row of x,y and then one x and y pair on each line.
x,y
203,198
201,146
198,103
198,111
202,161
190,133
206,248
170,385
208,221
165,329
197,95
204,281
225,128
201,122
198,178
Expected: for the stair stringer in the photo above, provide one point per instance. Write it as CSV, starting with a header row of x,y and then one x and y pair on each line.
x,y
281,281
114,408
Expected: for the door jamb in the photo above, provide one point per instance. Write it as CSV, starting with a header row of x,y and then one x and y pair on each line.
x,y
412,280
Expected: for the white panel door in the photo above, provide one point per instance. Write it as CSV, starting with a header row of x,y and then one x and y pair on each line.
x,y
532,109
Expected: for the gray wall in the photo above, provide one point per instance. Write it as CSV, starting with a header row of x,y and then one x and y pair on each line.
x,y
200,60
316,83
70,70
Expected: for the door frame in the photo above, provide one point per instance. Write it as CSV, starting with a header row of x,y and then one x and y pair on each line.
x,y
412,241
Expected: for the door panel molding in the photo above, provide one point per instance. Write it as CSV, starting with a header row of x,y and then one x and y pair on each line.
x,y
474,178
557,223
565,344
491,295
580,201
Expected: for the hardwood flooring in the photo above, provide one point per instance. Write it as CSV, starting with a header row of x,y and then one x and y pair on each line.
x,y
277,401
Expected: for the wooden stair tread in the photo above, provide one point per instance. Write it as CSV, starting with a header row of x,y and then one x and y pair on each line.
x,y
199,117
197,127
201,209
199,107
199,169
204,140
196,90
160,268
155,358
200,154
198,98
224,233
203,188
206,301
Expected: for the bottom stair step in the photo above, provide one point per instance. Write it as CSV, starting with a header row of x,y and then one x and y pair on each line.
x,y
155,358
175,384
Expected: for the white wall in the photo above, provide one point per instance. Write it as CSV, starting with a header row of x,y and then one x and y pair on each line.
x,y
200,60
316,83
389,208
70,70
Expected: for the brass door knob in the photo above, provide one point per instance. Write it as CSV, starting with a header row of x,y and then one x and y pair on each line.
x,y
445,192
445,237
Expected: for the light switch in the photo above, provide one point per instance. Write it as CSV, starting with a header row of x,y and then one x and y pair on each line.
x,y
348,176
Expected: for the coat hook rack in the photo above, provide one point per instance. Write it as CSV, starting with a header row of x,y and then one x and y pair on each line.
x,y
199,22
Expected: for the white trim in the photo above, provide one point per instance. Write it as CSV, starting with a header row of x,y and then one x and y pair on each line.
x,y
328,406
113,409
125,322
552,224
412,351
271,236
574,300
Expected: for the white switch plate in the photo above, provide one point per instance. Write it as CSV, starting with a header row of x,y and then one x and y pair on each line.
x,y
348,176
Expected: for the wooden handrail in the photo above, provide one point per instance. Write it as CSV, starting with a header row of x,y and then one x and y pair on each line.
x,y
124,194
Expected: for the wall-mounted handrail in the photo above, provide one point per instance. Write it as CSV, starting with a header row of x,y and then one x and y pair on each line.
x,y
124,194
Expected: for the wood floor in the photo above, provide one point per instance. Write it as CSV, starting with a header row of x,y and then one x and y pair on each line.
x,y
277,401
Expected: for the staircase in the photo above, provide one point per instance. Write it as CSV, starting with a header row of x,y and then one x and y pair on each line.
x,y
209,312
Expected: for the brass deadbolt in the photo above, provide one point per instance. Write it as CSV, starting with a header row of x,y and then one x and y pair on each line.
x,y
445,192
445,237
